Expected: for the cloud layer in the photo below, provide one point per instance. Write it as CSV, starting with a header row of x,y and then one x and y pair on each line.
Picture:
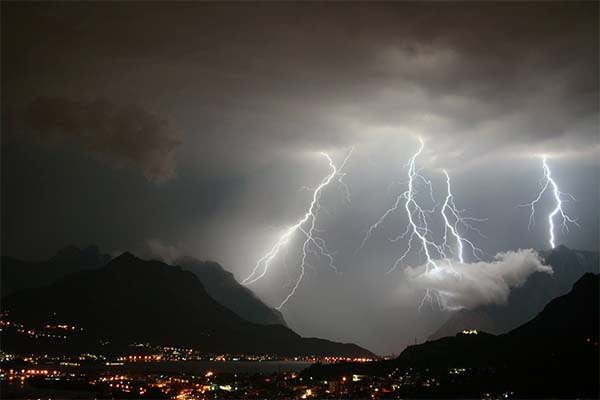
x,y
474,284
253,84
120,135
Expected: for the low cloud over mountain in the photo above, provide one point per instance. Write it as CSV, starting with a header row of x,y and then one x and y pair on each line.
x,y
473,284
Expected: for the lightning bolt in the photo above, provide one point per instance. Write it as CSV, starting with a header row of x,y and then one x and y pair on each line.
x,y
459,220
417,217
306,226
418,231
417,228
549,183
341,176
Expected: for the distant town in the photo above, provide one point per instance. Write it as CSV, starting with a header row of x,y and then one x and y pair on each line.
x,y
151,371
90,375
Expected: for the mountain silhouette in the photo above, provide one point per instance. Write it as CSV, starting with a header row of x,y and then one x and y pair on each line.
x,y
132,300
554,355
16,274
574,315
219,283
222,286
526,301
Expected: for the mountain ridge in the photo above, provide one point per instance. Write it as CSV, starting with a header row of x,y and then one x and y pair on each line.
x,y
526,301
554,355
18,274
131,299
222,286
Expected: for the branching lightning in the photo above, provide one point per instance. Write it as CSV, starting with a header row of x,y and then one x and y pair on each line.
x,y
459,220
418,231
550,183
417,218
307,227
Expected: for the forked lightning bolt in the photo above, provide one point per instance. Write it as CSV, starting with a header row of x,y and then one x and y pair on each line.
x,y
459,220
549,183
417,218
307,227
418,229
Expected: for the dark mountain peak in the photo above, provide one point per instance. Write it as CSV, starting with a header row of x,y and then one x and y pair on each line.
x,y
572,315
17,275
126,256
127,264
527,301
559,256
209,267
125,261
555,355
131,299
130,260
586,282
222,286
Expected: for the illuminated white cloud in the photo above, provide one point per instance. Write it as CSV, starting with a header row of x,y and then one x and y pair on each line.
x,y
470,285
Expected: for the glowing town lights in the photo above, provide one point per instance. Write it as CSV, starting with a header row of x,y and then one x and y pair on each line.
x,y
306,226
549,183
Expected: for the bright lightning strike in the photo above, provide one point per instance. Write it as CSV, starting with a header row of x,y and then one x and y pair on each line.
x,y
417,227
306,226
459,220
549,183
417,217
418,231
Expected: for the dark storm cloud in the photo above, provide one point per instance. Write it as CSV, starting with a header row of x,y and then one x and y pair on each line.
x,y
252,82
119,135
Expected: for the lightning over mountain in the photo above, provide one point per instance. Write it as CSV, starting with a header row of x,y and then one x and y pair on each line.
x,y
313,243
550,184
419,234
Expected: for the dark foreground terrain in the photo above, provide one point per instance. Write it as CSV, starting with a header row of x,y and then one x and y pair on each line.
x,y
555,355
132,300
91,327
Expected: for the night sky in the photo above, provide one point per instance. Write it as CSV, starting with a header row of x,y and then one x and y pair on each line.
x,y
195,130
